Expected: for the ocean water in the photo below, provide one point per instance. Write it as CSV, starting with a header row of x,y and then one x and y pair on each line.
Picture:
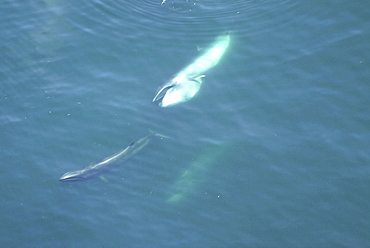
x,y
273,151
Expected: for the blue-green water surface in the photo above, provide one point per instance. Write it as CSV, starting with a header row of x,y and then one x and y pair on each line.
x,y
273,151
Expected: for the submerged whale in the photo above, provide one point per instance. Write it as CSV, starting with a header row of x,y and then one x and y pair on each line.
x,y
97,169
196,173
185,84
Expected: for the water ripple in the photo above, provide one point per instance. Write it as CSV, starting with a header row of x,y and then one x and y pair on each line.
x,y
205,18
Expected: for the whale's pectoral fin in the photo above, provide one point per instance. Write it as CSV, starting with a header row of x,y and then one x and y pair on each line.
x,y
199,79
103,179
159,135
163,91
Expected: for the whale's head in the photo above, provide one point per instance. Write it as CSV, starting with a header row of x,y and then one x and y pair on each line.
x,y
79,175
178,90
72,176
181,92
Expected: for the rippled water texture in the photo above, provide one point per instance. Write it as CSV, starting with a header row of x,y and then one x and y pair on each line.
x,y
273,151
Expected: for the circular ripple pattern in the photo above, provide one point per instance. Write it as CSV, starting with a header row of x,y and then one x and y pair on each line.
x,y
180,17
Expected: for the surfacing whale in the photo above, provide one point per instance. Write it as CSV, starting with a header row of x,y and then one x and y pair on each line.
x,y
116,159
185,84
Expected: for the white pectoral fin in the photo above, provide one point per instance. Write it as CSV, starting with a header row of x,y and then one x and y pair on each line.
x,y
163,91
199,79
103,179
159,134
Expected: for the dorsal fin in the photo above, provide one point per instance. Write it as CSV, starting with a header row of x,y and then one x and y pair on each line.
x,y
132,143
